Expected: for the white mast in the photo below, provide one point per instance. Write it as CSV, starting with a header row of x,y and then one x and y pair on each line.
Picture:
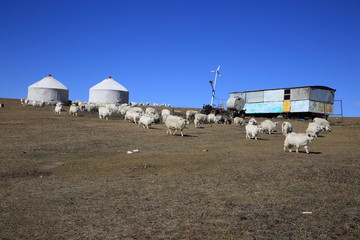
x,y
217,73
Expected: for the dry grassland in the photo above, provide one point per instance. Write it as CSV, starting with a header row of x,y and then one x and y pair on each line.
x,y
64,177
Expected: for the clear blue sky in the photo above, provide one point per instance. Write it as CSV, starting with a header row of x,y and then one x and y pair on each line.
x,y
163,51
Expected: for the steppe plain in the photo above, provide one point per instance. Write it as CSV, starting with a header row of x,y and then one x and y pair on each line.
x,y
65,177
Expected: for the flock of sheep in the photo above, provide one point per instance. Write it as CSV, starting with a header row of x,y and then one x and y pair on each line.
x,y
292,139
175,123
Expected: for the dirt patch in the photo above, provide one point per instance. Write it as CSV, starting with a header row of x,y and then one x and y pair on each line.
x,y
65,177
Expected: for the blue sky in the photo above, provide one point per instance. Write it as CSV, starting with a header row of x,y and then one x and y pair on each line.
x,y
163,51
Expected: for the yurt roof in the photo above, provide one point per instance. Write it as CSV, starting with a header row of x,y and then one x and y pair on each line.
x,y
109,84
48,82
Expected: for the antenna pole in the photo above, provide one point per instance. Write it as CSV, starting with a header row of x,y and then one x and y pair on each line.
x,y
214,87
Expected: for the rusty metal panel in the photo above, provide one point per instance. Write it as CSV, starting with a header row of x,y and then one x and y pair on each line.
x,y
274,95
252,97
322,95
299,93
321,107
300,106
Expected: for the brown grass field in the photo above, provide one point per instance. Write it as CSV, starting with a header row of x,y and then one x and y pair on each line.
x,y
64,177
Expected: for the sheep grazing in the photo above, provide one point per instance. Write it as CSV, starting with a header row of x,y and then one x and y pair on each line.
x,y
313,129
74,110
297,140
58,108
24,101
325,124
146,121
269,126
252,131
176,125
238,121
105,113
286,128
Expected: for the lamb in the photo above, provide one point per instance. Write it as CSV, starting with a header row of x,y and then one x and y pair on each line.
x,y
325,124
175,124
313,129
286,128
269,126
252,130
146,121
238,121
105,113
199,118
74,110
297,140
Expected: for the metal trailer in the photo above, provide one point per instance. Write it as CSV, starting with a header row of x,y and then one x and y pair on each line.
x,y
295,102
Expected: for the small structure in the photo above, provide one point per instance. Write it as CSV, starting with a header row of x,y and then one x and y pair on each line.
x,y
48,90
308,101
108,91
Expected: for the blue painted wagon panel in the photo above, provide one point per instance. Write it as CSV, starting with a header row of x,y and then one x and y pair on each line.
x,y
268,107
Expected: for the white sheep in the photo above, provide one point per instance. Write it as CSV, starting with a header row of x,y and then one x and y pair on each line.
x,y
238,121
176,125
286,128
199,119
58,108
164,114
152,112
38,103
219,118
252,131
297,140
74,110
253,121
325,124
190,114
269,126
105,112
314,129
211,118
132,116
146,121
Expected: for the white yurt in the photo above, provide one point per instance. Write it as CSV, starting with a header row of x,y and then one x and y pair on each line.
x,y
109,91
48,90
